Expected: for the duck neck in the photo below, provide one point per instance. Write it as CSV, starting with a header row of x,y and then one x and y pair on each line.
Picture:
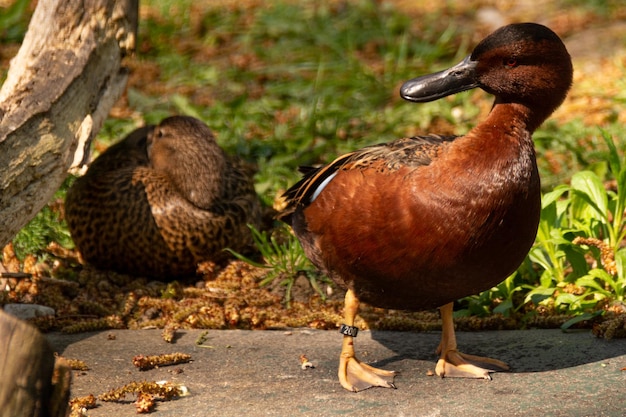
x,y
520,115
506,133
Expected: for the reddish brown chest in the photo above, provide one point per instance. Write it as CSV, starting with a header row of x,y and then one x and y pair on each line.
x,y
423,236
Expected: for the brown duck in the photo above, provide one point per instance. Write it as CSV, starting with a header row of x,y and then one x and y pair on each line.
x,y
162,200
421,222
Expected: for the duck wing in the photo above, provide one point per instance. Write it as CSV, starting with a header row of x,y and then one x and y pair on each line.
x,y
412,152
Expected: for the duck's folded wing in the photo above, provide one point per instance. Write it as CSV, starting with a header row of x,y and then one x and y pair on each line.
x,y
413,152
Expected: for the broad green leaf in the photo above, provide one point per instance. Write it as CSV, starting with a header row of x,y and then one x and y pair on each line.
x,y
601,274
552,196
607,278
550,275
538,256
562,206
566,298
548,219
504,307
587,186
462,313
539,294
578,319
576,258
589,281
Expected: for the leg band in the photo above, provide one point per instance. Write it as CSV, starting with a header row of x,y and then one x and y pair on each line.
x,y
348,330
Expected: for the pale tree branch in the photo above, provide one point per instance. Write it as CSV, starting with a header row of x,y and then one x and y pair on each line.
x,y
59,89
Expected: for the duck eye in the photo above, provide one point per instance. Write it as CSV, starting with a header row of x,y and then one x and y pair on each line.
x,y
511,63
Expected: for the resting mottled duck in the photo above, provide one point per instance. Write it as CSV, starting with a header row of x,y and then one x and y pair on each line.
x,y
420,222
162,200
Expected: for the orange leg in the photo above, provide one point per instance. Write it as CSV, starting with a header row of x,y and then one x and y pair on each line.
x,y
353,374
454,364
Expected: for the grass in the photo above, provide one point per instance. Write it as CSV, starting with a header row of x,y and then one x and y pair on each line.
x,y
14,21
284,259
45,227
297,83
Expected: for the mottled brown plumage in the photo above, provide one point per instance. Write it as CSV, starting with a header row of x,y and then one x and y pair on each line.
x,y
162,200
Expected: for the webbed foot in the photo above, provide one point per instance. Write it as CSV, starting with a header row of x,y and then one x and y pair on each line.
x,y
355,375
454,364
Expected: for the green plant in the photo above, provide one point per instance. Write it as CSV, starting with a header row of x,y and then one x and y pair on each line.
x,y
47,226
14,21
284,258
577,260
498,300
579,240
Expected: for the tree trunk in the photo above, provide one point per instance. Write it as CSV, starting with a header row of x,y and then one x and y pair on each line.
x,y
27,365
60,87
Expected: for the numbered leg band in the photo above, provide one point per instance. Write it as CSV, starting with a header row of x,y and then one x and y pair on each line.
x,y
348,330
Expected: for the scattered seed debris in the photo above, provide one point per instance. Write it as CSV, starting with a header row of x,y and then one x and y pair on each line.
x,y
147,393
80,405
169,332
145,403
163,389
612,326
91,325
305,363
145,363
606,253
76,364
230,297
